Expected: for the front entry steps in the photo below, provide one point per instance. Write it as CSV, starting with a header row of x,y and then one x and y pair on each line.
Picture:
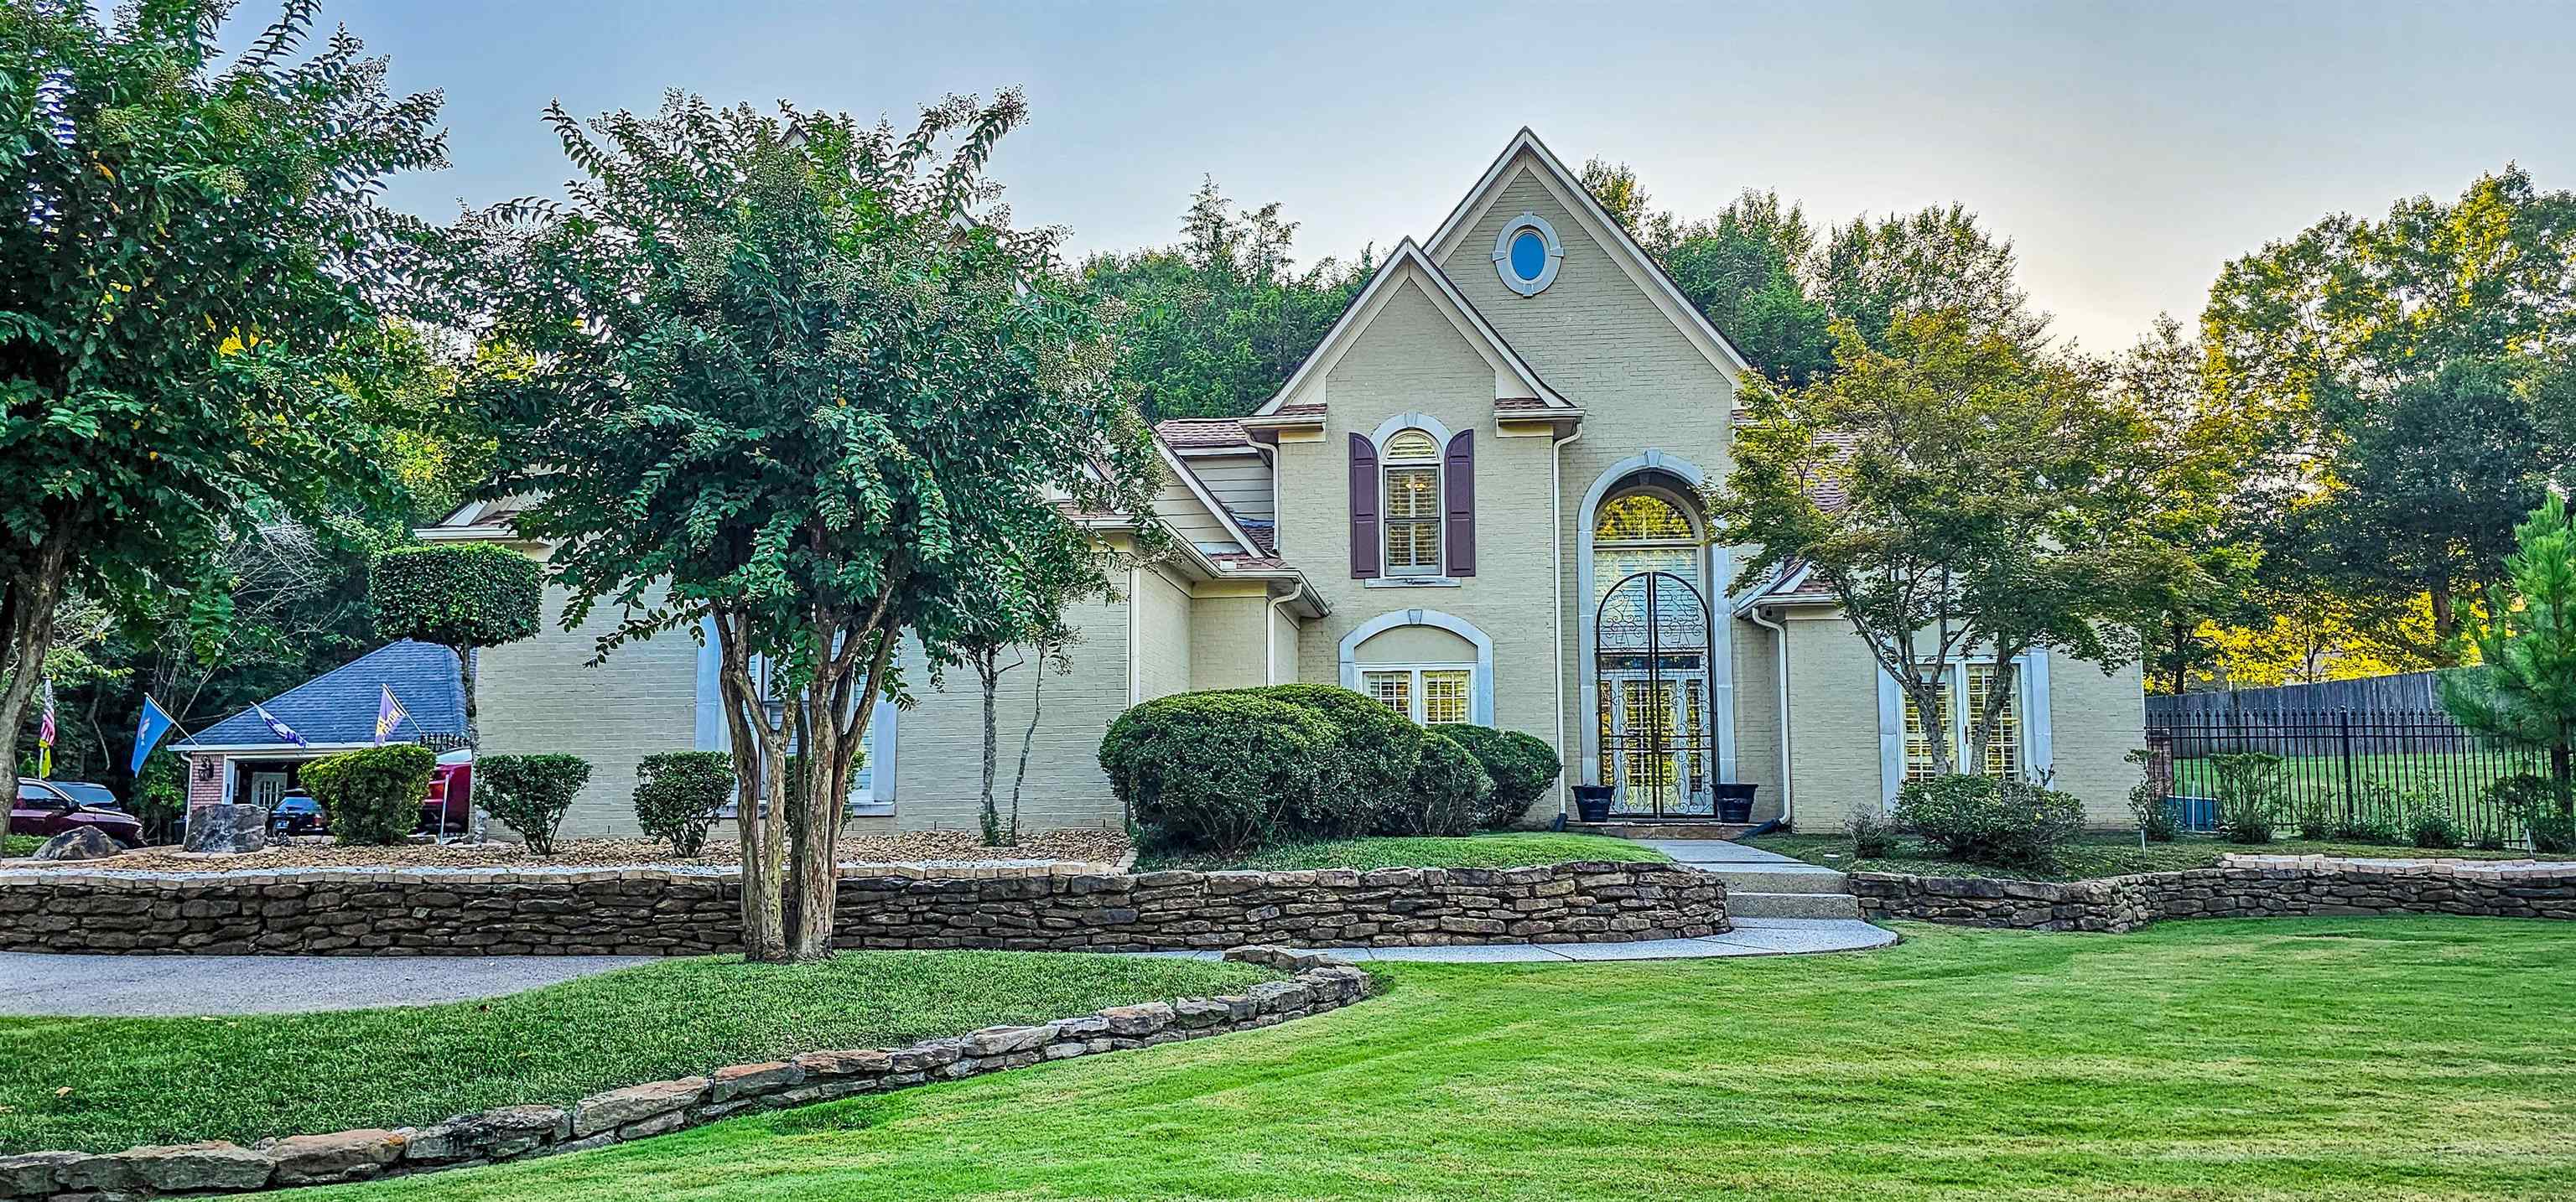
x,y
1648,828
1763,884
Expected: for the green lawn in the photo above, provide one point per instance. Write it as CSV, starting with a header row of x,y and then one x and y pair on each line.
x,y
2091,855
2290,1058
169,1080
19,845
2463,774
1509,849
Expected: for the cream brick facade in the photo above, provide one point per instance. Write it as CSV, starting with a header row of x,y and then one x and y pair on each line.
x,y
1600,380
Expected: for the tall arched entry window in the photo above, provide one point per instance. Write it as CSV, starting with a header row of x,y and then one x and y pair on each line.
x,y
1655,697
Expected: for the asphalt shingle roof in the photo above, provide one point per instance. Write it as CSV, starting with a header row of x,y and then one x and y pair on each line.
x,y
339,706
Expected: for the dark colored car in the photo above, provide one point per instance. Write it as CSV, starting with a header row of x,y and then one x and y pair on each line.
x,y
95,796
296,813
44,809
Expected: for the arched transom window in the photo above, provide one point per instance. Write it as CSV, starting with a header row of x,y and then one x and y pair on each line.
x,y
1411,460
1642,531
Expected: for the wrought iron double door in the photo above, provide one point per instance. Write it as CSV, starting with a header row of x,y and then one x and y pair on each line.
x,y
1652,664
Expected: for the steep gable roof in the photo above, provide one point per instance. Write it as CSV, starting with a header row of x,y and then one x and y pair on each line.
x,y
1631,258
1408,262
339,706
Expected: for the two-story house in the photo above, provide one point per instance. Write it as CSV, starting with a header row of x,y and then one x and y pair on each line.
x,y
1477,501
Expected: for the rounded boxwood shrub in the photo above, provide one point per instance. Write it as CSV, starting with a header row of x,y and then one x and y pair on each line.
x,y
1990,820
1221,771
530,793
372,795
1371,764
1522,767
677,794
1448,795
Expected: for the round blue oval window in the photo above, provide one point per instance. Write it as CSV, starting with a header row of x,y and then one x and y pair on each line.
x,y
1529,254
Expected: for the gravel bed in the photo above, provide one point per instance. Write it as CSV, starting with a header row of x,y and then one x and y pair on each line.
x,y
928,848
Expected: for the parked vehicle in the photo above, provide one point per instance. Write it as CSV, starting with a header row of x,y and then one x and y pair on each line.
x,y
296,813
449,808
45,810
95,796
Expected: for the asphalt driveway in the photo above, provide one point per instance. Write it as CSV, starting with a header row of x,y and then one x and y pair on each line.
x,y
44,983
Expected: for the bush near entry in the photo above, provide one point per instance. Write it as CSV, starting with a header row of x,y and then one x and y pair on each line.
x,y
1446,796
372,795
1522,767
678,793
1990,820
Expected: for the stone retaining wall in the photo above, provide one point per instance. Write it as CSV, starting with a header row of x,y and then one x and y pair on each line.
x,y
636,1111
2245,886
426,912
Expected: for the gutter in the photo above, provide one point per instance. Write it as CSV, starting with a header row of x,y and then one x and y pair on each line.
x,y
1780,661
1556,597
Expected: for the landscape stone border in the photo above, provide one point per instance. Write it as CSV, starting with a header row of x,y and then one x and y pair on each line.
x,y
651,911
2242,886
1320,983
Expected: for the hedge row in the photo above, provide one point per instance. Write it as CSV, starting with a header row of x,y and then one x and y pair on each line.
x,y
1230,769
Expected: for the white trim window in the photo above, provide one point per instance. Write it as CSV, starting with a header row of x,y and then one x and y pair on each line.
x,y
2006,753
1527,254
1409,525
1430,694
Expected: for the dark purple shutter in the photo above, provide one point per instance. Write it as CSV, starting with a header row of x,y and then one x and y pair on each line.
x,y
1458,503
1364,501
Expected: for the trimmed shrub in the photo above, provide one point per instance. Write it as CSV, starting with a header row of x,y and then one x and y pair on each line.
x,y
457,594
1521,766
2534,799
372,795
2553,833
2147,803
2249,794
1990,820
677,794
1372,762
1222,771
1448,795
529,793
2434,828
1872,835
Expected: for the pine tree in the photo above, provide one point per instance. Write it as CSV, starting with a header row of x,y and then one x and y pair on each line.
x,y
2523,692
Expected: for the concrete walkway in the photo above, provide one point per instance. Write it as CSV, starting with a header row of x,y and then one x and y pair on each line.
x,y
1766,884
42,983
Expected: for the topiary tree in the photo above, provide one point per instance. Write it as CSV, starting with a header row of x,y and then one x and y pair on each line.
x,y
530,793
465,596
678,793
1522,766
372,795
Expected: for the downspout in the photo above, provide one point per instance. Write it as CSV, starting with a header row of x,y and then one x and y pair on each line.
x,y
1780,660
1556,552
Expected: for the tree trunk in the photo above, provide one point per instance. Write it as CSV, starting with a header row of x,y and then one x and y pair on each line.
x,y
760,769
465,677
839,702
988,673
2558,772
1028,739
32,598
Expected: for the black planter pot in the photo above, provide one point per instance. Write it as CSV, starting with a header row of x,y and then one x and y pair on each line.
x,y
1735,802
1592,802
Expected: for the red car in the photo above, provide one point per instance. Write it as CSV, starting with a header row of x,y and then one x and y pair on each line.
x,y
45,811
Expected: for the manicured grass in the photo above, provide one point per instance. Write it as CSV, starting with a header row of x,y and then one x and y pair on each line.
x,y
19,845
1507,849
2290,1058
2464,773
2093,855
170,1080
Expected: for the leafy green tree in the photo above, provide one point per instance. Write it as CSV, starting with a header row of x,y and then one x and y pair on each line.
x,y
1020,618
1211,327
1992,500
1621,196
799,379
1746,268
2412,373
2202,450
1939,260
193,260
2523,691
463,596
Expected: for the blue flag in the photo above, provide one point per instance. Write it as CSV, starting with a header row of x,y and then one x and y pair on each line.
x,y
284,733
156,722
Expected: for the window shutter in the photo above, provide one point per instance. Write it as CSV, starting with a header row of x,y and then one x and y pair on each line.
x,y
1458,483
1364,508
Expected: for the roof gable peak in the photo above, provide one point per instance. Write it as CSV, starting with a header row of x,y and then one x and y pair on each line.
x,y
1408,261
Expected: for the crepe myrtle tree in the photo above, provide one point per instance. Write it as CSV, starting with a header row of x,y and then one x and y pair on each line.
x,y
1966,499
465,596
799,380
193,273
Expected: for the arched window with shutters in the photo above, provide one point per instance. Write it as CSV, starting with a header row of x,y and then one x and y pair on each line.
x,y
1410,476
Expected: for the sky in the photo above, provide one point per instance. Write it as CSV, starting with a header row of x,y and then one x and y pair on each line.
x,y
2128,150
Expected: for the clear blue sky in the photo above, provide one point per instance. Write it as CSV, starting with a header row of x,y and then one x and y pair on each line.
x,y
2127,149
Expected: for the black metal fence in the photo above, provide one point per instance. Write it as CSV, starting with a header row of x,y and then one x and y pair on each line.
x,y
2354,771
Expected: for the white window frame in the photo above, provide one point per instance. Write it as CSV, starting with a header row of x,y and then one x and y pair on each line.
x,y
1503,254
2037,739
1416,697
1436,465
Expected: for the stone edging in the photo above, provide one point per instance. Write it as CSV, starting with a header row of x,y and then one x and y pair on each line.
x,y
2242,886
651,912
1321,983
